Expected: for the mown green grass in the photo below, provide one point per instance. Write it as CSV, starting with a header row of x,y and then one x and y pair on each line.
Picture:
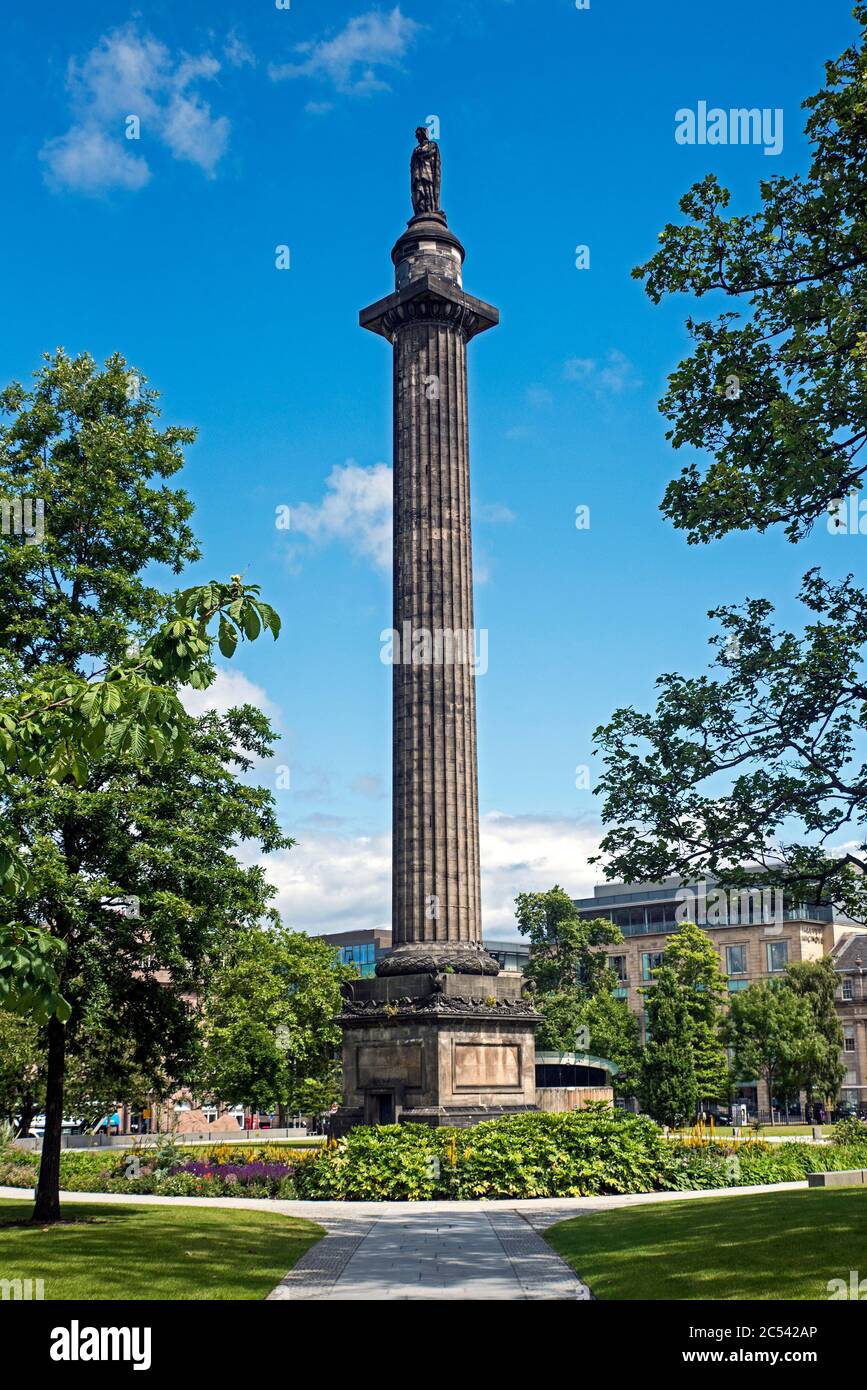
x,y
784,1245
152,1252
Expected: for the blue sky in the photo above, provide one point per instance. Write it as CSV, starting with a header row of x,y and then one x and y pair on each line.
x,y
263,127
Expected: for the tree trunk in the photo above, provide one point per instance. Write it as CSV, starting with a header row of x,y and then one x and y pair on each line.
x,y
28,1110
47,1207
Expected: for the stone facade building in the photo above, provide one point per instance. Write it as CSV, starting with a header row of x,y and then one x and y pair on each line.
x,y
756,935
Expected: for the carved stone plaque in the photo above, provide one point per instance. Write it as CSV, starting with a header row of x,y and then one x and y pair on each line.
x,y
487,1066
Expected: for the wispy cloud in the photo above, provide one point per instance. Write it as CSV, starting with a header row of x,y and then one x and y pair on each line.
x,y
494,513
332,881
351,58
610,377
356,510
229,689
237,53
131,74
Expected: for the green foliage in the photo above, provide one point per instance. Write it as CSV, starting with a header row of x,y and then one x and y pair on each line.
x,y
564,967
850,1130
816,1063
268,1020
110,793
669,1087
29,981
768,1027
615,1034
535,1155
729,763
697,976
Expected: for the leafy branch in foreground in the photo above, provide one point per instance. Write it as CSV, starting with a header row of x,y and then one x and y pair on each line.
x,y
782,725
56,724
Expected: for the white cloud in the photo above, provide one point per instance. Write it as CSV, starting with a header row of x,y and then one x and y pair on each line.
x,y
230,688
529,854
333,882
130,73
237,53
494,513
85,159
356,509
613,376
349,60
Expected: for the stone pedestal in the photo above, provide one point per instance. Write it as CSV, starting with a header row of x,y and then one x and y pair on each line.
x,y
436,1049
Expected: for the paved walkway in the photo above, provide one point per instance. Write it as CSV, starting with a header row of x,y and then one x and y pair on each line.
x,y
428,1250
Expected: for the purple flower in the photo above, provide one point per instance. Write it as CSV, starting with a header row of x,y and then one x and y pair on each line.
x,y
239,1172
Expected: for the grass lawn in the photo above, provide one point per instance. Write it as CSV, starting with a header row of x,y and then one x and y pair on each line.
x,y
153,1252
773,1245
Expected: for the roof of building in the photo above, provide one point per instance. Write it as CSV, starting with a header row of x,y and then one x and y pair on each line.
x,y
850,952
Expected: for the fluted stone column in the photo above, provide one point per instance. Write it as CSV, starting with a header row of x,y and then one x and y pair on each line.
x,y
436,908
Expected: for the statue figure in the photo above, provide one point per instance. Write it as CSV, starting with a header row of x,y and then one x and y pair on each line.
x,y
425,173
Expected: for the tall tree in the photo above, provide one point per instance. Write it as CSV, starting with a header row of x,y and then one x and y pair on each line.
x,y
270,1037
820,1070
759,763
615,1034
566,966
669,1088
109,792
766,1027
692,958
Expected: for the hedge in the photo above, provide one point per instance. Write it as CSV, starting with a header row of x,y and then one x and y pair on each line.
x,y
576,1154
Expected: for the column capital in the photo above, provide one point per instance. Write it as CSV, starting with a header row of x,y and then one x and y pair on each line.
x,y
429,299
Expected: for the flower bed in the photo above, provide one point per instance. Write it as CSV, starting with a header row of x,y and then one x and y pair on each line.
x,y
577,1154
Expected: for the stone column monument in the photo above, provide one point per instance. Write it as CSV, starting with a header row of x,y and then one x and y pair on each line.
x,y
440,1036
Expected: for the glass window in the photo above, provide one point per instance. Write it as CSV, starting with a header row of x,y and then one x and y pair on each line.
x,y
849,1043
618,965
848,987
736,960
778,956
736,985
650,961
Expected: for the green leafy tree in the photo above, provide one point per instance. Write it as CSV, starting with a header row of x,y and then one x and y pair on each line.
x,y
22,1071
615,1035
766,1027
819,1069
270,1036
669,1088
759,762
109,791
692,957
566,966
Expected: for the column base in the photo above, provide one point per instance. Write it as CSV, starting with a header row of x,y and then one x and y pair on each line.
x,y
433,957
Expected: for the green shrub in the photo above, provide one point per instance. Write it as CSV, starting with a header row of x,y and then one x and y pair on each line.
x,y
533,1155
852,1130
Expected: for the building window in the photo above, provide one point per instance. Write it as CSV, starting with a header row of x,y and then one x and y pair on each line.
x,y
778,956
848,987
621,993
650,961
849,1042
736,960
618,965
735,986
